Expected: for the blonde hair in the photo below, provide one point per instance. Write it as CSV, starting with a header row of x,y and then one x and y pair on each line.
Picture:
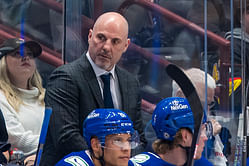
x,y
161,146
12,93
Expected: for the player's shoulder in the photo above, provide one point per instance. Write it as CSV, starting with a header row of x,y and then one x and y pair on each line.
x,y
81,158
144,159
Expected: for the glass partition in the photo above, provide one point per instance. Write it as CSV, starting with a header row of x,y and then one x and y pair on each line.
x,y
211,35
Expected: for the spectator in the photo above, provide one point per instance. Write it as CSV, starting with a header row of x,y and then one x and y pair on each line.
x,y
76,88
217,21
173,123
107,143
240,35
4,146
241,49
216,14
21,93
27,14
197,77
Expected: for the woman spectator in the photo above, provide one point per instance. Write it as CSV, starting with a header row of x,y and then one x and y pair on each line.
x,y
21,93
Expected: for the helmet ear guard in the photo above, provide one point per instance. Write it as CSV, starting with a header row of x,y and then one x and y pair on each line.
x,y
103,122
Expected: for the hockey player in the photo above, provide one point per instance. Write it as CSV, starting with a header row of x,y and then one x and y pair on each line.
x,y
110,137
173,123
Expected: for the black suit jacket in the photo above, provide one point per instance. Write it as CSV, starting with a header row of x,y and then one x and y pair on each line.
x,y
73,92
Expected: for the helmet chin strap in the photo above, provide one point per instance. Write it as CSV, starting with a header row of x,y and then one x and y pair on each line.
x,y
188,150
101,158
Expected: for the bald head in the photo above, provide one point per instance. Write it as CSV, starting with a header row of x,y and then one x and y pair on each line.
x,y
112,19
108,40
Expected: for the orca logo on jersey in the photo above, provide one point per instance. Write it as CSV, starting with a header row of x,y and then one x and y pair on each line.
x,y
176,106
76,161
141,158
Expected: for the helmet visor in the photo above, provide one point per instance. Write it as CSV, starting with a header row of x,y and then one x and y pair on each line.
x,y
123,141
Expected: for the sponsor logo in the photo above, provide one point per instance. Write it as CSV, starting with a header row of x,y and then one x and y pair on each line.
x,y
176,106
125,124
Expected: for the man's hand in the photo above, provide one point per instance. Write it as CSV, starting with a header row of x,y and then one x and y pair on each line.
x,y
216,127
7,155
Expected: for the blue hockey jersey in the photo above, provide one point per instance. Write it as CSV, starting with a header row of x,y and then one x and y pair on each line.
x,y
81,158
150,159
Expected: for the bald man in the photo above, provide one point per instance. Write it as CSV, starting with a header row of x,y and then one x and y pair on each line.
x,y
75,89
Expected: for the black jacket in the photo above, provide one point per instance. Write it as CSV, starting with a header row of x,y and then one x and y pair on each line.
x,y
4,146
73,92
